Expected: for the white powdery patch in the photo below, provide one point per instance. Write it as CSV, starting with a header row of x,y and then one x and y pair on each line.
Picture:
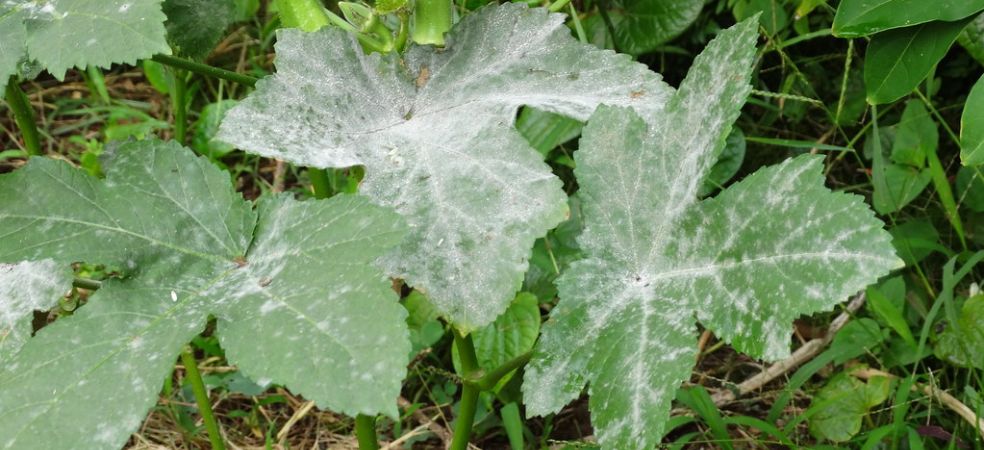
x,y
30,286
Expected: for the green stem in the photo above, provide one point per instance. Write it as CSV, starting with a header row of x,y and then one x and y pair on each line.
x,y
490,379
205,69
178,100
23,115
201,397
365,432
469,392
319,182
431,19
558,5
85,283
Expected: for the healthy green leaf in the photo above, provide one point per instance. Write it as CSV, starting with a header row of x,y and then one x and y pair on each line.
x,y
640,26
889,310
915,136
972,38
188,247
898,60
746,262
842,404
972,127
857,18
512,334
545,130
195,27
24,288
970,188
962,343
62,34
435,133
915,240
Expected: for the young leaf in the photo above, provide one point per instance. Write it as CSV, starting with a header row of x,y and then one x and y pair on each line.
x,y
842,404
898,60
62,34
746,262
972,127
856,18
435,132
24,288
190,247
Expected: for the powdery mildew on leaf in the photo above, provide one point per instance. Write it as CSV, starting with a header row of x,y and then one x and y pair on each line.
x,y
745,263
435,132
62,34
24,288
186,244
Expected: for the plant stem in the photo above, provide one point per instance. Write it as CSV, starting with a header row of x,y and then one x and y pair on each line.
x,y
469,392
431,19
85,283
365,432
201,397
178,97
23,115
490,379
205,69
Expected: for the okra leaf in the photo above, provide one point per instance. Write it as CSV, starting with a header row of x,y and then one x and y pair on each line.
x,y
62,34
435,133
745,263
12,37
24,288
188,247
195,27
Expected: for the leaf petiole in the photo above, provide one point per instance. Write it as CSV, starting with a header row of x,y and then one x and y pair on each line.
x,y
23,115
201,397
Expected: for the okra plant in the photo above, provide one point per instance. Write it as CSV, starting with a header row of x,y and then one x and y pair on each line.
x,y
452,201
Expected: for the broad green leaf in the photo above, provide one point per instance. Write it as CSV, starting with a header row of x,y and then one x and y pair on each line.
x,y
842,403
962,343
512,334
774,17
24,288
745,263
858,337
189,247
970,188
898,60
915,136
62,34
894,185
915,240
972,38
195,27
857,18
545,130
640,26
435,133
972,127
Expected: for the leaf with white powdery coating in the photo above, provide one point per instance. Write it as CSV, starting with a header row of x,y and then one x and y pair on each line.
x,y
62,34
12,37
435,132
187,248
746,262
24,288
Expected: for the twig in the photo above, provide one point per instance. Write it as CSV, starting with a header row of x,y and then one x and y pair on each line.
x,y
947,400
298,415
278,176
803,354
